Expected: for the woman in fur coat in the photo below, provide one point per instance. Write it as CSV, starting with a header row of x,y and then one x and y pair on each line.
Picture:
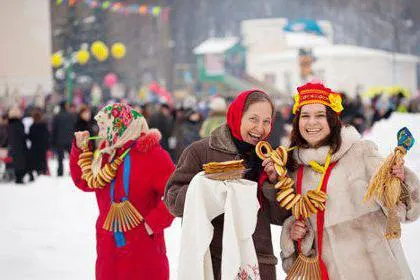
x,y
351,243
139,252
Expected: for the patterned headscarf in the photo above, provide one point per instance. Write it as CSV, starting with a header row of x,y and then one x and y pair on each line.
x,y
122,124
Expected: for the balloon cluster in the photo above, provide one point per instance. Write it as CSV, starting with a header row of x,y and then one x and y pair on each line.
x,y
98,49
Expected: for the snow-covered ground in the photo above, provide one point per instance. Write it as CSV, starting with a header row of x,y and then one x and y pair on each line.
x,y
47,227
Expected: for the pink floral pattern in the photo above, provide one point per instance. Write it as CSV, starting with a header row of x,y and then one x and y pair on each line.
x,y
121,115
248,272
115,112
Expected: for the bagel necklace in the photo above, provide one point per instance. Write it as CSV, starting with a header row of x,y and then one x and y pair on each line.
x,y
105,175
302,205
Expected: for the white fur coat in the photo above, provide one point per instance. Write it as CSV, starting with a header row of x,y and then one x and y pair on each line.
x,y
354,246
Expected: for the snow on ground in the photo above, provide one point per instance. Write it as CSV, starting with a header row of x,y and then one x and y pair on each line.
x,y
47,227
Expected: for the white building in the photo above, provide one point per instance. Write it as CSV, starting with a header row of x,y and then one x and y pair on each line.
x,y
25,49
272,56
342,67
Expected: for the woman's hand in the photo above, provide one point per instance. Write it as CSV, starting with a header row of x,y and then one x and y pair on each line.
x,y
398,170
298,230
270,170
81,138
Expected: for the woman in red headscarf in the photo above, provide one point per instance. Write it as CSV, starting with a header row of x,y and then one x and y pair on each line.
x,y
249,120
132,215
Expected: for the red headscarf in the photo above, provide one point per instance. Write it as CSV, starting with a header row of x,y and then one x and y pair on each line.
x,y
235,111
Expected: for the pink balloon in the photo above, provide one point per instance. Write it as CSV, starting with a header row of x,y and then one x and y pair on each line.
x,y
161,91
110,80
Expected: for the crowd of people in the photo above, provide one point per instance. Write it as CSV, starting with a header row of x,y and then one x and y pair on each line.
x,y
47,132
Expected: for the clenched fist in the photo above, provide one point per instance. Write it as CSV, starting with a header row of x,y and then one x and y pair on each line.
x,y
298,231
270,170
81,138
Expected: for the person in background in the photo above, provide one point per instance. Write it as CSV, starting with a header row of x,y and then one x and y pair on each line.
x,y
382,108
179,117
4,135
189,130
137,107
40,143
17,145
353,113
162,120
62,134
414,105
8,175
281,121
84,120
217,116
147,110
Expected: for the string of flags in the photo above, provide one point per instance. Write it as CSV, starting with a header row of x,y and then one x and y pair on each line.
x,y
120,7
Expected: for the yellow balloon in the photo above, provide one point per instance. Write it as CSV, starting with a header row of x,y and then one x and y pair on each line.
x,y
118,50
82,57
99,50
103,54
56,60
96,47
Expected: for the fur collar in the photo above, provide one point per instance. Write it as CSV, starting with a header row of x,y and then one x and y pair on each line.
x,y
221,140
349,136
148,140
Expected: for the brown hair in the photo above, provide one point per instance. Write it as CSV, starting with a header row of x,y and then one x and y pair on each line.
x,y
258,96
333,139
83,108
37,115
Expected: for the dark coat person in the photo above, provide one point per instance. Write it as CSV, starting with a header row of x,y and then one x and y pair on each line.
x,y
62,134
40,143
17,145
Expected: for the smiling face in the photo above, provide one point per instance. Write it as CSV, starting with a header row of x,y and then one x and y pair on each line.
x,y
256,122
313,124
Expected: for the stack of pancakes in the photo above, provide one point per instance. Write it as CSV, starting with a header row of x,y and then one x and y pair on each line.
x,y
226,170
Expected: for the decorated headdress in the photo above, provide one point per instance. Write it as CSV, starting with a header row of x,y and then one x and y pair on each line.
x,y
122,125
311,93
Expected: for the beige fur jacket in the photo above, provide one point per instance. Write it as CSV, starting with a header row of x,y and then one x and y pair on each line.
x,y
354,246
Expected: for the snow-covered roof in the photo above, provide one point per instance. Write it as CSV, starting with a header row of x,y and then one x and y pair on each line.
x,y
302,40
356,51
216,45
340,51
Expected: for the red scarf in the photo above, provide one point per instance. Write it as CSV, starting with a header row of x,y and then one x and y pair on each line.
x,y
234,118
320,216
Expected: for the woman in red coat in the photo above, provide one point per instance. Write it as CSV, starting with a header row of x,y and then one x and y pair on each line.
x,y
136,249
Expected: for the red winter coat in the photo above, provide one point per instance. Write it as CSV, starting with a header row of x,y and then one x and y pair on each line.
x,y
144,256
